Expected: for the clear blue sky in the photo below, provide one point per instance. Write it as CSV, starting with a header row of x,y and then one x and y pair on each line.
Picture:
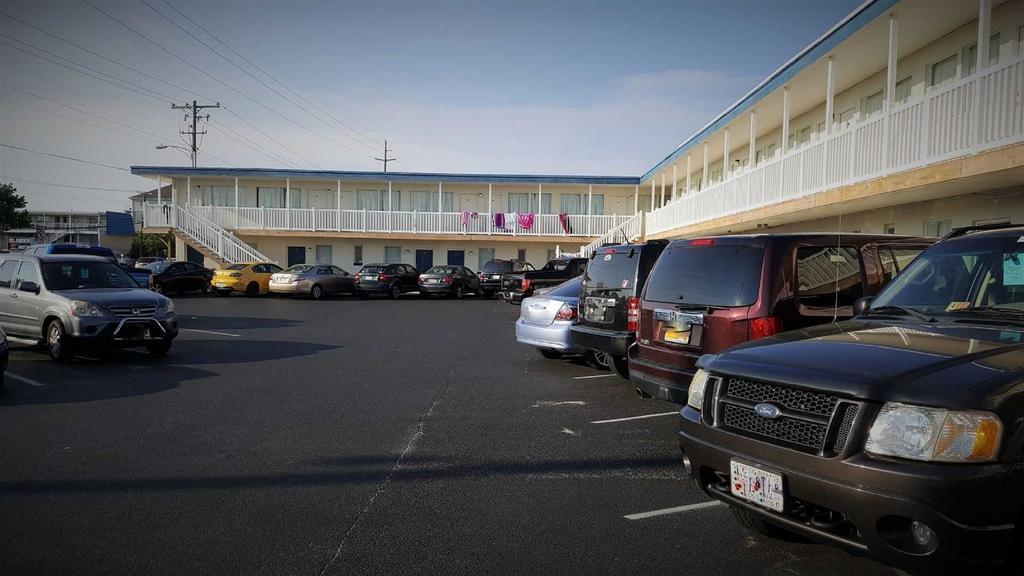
x,y
593,87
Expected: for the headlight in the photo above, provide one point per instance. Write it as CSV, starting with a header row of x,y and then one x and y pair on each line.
x,y
935,434
697,386
84,309
167,305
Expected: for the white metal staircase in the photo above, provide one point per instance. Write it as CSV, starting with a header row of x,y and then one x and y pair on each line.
x,y
628,231
217,242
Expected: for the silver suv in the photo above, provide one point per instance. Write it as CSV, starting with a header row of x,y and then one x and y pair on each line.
x,y
71,303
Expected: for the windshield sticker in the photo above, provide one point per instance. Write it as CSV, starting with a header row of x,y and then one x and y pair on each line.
x,y
1013,269
957,306
607,256
625,283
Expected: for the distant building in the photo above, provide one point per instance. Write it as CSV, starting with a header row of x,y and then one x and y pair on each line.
x,y
112,229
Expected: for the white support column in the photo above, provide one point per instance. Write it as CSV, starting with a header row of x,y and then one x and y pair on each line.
x,y
984,31
389,196
785,119
337,206
704,175
188,190
540,198
440,197
636,199
652,193
159,185
752,153
490,207
174,193
830,84
662,203
688,189
675,178
390,212
725,154
590,205
890,87
288,202
236,203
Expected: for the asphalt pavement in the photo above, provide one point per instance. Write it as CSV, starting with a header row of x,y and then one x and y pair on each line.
x,y
355,437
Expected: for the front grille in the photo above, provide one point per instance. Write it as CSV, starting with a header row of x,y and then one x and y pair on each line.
x,y
802,421
133,311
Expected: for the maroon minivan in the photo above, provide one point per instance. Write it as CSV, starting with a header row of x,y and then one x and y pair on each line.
x,y
708,294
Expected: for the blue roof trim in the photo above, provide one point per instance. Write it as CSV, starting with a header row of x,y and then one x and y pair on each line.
x,y
859,18
276,173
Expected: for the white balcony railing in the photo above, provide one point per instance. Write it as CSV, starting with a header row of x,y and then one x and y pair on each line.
x,y
313,220
944,123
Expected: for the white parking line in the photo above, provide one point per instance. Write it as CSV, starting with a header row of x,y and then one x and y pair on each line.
x,y
595,376
633,418
210,332
28,381
676,510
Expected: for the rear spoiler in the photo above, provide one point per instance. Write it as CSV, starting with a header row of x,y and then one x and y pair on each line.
x,y
964,230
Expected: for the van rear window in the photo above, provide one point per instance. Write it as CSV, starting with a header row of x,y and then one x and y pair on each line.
x,y
612,271
717,275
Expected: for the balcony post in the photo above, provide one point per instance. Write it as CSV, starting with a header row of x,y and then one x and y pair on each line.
x,y
662,203
540,198
188,190
288,203
490,208
312,212
984,27
688,189
636,199
785,120
830,80
725,154
590,207
704,175
337,206
390,228
440,198
159,185
236,203
752,153
652,194
364,219
890,89
675,178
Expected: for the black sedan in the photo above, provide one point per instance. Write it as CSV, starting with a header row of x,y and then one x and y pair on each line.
x,y
452,281
179,277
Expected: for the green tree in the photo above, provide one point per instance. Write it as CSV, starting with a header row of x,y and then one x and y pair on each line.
x,y
12,211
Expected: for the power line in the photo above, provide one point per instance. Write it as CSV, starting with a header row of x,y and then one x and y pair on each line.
x,y
268,75
385,159
43,182
83,122
251,144
64,157
193,128
267,136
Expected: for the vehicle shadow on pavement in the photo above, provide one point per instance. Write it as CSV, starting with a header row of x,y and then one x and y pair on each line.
x,y
236,351
98,384
378,470
234,322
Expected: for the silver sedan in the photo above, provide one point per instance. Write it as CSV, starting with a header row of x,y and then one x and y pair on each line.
x,y
312,280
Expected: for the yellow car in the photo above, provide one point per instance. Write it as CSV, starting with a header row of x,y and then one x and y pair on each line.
x,y
251,279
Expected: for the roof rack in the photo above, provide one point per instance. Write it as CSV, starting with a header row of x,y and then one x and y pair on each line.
x,y
963,230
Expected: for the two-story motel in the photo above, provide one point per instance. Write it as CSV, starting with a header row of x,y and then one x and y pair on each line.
x,y
907,116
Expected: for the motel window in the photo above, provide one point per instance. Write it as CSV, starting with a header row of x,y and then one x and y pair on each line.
x,y
902,92
872,104
799,137
644,202
597,205
295,199
942,71
521,254
378,200
392,254
971,54
766,153
847,116
486,255
577,203
270,197
889,228
357,255
219,196
937,227
423,201
525,202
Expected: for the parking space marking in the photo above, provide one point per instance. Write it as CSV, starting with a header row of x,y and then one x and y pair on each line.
x,y
594,376
634,418
210,332
546,403
676,510
24,380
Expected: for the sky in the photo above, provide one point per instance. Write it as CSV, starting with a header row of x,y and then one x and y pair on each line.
x,y
538,87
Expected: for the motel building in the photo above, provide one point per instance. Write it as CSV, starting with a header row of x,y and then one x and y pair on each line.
x,y
905,117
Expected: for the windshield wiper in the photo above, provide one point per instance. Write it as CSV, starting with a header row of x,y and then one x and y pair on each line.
x,y
994,312
905,310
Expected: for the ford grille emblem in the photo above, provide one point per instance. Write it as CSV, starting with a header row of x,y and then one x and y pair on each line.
x,y
767,410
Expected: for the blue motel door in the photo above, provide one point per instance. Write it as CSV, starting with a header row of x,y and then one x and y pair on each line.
x,y
424,260
456,257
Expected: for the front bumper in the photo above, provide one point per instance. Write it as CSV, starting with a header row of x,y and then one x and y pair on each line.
x,y
866,505
614,342
123,332
659,380
554,337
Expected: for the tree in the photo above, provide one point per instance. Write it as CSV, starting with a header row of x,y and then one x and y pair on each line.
x,y
12,211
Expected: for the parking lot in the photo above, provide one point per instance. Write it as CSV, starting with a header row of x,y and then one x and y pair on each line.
x,y
349,436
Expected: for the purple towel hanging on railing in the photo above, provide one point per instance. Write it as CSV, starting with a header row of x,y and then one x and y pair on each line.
x,y
499,220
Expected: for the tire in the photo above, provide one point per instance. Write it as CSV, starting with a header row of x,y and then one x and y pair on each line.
x,y
487,294
754,523
159,349
316,292
208,288
57,344
253,289
621,366
597,360
549,353
222,292
395,292
458,292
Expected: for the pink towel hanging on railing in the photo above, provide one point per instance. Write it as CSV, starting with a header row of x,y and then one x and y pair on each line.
x,y
465,218
563,218
526,221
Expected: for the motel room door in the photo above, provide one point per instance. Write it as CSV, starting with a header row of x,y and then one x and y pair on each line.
x,y
296,255
467,202
456,257
320,199
424,259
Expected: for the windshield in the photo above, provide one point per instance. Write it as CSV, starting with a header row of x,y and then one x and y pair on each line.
x,y
158,267
443,270
959,276
718,275
612,271
78,275
567,289
87,250
237,267
372,269
298,268
556,265
496,266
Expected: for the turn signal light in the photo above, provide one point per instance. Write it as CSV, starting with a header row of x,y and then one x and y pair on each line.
x,y
633,314
566,312
762,327
526,284
446,280
383,278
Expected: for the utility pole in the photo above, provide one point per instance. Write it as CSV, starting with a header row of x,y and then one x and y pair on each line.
x,y
193,128
385,159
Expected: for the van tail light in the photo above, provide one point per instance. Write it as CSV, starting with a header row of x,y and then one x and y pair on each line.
x,y
566,312
703,242
766,326
383,278
446,280
358,277
526,284
633,314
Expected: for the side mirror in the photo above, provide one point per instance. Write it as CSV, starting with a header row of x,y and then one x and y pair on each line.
x,y
861,305
29,287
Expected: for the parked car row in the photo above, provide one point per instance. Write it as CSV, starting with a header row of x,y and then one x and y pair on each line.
x,y
865,391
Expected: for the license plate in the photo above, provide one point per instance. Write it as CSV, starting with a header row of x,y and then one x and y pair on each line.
x,y
758,486
370,278
495,276
432,280
678,336
508,295
221,285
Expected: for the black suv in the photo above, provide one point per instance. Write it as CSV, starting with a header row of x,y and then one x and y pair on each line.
x,y
609,306
390,279
490,275
899,433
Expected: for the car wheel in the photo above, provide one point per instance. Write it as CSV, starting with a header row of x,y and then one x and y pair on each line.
x,y
316,292
549,353
395,292
596,360
458,292
160,348
56,342
621,365
754,523
222,292
207,288
253,289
